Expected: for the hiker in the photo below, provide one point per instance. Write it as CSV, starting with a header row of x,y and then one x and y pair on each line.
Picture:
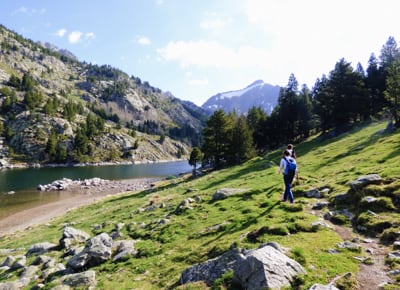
x,y
288,167
290,148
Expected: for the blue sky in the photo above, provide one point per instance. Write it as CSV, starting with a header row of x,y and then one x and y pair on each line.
x,y
198,48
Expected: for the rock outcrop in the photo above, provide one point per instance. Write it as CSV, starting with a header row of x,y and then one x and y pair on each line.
x,y
263,268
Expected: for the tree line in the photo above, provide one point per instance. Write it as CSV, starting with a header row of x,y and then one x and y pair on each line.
x,y
336,102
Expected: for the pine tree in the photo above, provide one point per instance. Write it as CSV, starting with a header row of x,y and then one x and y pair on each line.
x,y
196,156
216,141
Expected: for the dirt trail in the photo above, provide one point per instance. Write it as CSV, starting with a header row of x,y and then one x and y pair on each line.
x,y
371,275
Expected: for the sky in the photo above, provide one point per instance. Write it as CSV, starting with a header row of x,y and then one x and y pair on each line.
x,y
195,49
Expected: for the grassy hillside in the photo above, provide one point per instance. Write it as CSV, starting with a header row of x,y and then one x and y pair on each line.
x,y
170,240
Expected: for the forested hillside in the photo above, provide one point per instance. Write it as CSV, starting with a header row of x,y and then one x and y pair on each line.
x,y
56,109
346,97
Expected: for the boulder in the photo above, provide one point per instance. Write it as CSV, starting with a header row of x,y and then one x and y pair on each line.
x,y
40,248
323,287
97,251
365,180
211,269
266,268
225,192
83,280
124,250
263,268
8,262
72,236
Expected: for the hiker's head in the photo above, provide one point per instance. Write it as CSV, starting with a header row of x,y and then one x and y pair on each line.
x,y
286,153
290,146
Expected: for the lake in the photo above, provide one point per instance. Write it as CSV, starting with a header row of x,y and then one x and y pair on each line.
x,y
24,182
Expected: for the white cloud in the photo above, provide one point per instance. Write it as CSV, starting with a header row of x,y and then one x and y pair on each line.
x,y
142,40
213,24
212,54
75,37
61,32
198,82
29,11
90,36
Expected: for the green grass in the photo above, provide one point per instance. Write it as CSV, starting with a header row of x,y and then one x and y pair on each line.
x,y
247,219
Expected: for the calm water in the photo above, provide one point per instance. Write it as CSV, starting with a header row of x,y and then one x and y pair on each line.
x,y
25,181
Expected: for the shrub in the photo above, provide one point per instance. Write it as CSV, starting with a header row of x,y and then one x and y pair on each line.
x,y
298,255
347,281
339,219
381,204
279,230
389,235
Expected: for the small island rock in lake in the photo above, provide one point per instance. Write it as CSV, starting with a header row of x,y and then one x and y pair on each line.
x,y
65,183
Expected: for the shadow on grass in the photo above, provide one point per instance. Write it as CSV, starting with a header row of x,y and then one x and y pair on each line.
x,y
241,225
251,167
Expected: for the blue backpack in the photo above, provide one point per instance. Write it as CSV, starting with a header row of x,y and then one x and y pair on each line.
x,y
291,167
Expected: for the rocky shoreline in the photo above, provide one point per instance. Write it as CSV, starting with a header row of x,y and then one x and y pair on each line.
x,y
5,164
84,193
99,184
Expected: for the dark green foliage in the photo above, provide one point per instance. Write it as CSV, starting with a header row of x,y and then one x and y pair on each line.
x,y
14,81
27,83
340,219
196,156
390,235
33,99
299,256
216,138
228,139
381,204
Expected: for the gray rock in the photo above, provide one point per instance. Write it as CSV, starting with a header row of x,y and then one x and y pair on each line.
x,y
369,199
349,245
40,248
365,180
84,280
320,205
211,269
30,272
8,261
20,262
59,268
14,285
328,215
124,250
72,236
226,192
263,268
45,261
323,287
266,268
394,255
313,193
341,197
97,251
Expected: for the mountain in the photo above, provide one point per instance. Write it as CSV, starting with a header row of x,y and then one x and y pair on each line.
x,y
54,48
257,94
54,108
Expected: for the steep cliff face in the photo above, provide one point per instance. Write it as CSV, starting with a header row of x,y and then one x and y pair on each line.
x,y
50,101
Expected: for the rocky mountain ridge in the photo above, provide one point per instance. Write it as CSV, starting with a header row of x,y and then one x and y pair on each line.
x,y
258,94
45,93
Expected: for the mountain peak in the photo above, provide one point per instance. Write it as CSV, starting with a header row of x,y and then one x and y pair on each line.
x,y
258,93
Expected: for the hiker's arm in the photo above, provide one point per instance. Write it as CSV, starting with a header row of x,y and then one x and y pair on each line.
x,y
281,166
